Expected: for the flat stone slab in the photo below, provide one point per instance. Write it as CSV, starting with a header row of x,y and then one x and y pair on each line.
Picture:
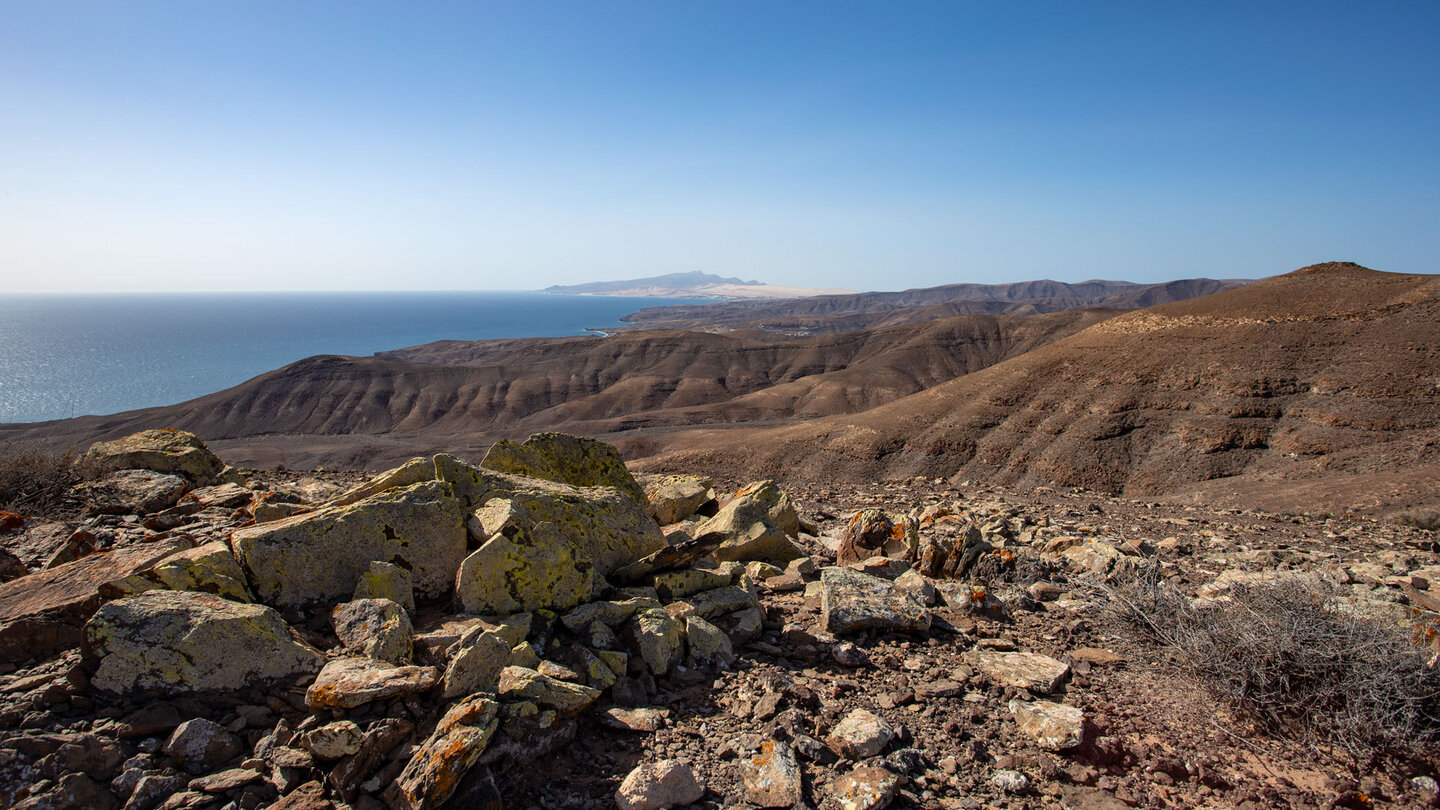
x,y
1021,670
43,613
349,682
1055,726
851,602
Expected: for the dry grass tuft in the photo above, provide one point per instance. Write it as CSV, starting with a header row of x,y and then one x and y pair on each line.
x,y
1286,653
1427,519
35,482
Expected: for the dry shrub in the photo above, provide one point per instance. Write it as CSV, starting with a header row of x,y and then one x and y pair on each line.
x,y
1427,519
36,482
1286,653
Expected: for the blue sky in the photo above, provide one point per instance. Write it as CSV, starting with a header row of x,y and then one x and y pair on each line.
x,y
877,145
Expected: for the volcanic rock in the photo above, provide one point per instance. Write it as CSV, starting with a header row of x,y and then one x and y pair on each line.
x,y
852,601
179,642
163,451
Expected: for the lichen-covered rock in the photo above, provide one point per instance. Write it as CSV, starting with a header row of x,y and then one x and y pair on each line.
x,y
772,777
707,644
414,471
132,492
162,450
612,527
1020,670
210,568
673,498
179,642
729,599
519,683
851,601
872,533
438,765
749,523
863,789
224,496
525,569
690,581
334,740
657,638
860,735
44,612
320,555
476,663
1054,726
659,786
349,682
375,628
387,581
574,460
611,613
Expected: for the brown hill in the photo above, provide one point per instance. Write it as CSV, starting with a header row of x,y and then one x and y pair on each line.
x,y
1320,387
463,395
838,313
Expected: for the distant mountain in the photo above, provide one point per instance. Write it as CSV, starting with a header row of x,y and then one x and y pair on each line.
x,y
688,285
867,310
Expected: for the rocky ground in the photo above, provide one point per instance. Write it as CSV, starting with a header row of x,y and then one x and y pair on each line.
x,y
772,677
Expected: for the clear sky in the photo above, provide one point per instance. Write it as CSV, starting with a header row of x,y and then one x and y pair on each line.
x,y
869,145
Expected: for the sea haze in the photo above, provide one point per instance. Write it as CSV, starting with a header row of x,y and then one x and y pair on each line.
x,y
71,355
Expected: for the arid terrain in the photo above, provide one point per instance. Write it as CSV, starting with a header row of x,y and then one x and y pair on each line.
x,y
1319,388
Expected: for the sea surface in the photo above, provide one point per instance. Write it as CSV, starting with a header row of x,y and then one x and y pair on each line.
x,y
71,355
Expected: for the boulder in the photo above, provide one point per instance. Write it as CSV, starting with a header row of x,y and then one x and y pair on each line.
x,y
612,527
690,581
476,662
44,612
659,786
349,682
860,735
678,555
1054,726
574,460
707,644
387,581
772,777
851,602
375,628
872,533
526,569
942,556
673,498
319,556
202,746
657,638
609,613
415,471
520,683
181,642
132,492
162,450
1021,670
210,568
751,529
437,766
334,740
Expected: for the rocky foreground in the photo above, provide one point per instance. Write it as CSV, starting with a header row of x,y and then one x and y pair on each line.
x,y
545,630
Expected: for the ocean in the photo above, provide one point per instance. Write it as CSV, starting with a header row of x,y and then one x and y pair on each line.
x,y
71,355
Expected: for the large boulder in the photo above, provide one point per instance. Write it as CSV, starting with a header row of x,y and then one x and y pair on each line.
x,y
672,498
375,628
414,471
612,528
163,450
756,524
318,557
872,533
851,601
520,569
574,460
132,492
179,642
44,612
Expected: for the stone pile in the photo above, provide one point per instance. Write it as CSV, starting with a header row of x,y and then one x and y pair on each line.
x,y
430,635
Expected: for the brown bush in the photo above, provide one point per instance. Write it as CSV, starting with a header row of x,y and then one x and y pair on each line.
x,y
35,482
1427,519
1286,653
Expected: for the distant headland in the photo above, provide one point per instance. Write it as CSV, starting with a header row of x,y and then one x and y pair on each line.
x,y
689,285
